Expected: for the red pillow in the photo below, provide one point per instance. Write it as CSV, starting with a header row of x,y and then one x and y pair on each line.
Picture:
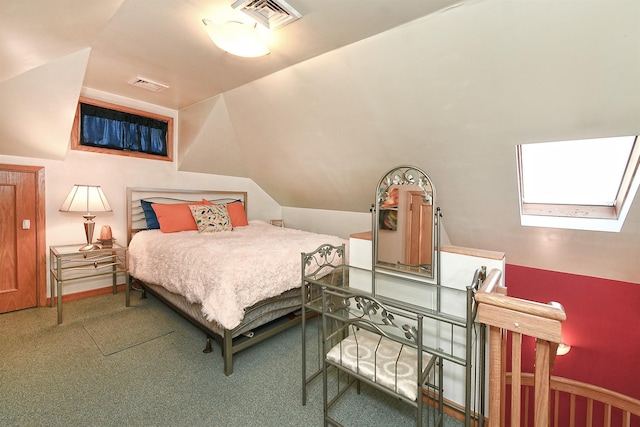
x,y
174,217
236,213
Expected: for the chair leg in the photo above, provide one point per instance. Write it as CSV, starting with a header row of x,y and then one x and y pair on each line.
x,y
419,409
325,394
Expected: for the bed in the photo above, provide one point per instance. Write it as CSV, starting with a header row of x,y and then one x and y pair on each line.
x,y
237,280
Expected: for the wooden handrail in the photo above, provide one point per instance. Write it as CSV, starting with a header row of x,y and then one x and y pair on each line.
x,y
518,317
592,394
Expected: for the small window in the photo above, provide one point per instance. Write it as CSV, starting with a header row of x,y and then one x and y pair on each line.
x,y
582,184
112,129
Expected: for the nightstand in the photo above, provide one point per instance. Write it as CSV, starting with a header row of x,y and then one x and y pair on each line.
x,y
67,263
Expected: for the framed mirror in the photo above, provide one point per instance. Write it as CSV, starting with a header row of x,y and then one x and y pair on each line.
x,y
405,224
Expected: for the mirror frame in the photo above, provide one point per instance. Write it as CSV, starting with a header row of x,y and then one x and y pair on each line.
x,y
398,176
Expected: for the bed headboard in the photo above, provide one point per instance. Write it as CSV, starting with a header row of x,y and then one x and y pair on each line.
x,y
135,216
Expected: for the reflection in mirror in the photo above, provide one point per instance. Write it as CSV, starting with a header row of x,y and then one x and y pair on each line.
x,y
406,231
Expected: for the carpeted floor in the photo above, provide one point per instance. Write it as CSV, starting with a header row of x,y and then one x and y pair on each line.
x,y
144,366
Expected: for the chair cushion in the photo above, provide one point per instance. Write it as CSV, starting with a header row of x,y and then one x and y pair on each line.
x,y
381,360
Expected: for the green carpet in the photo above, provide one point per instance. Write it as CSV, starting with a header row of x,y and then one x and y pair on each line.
x,y
117,331
108,365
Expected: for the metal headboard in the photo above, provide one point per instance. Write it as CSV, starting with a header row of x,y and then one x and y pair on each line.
x,y
135,215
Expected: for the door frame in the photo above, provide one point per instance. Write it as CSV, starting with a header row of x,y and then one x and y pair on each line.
x,y
40,224
411,226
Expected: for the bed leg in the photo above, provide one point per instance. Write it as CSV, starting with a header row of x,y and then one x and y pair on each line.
x,y
227,352
207,346
134,285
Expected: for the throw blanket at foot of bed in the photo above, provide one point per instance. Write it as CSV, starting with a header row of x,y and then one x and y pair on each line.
x,y
226,272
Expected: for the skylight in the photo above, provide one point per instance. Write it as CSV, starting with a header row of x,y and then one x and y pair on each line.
x,y
583,184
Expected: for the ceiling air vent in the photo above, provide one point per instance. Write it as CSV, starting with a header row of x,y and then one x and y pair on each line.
x,y
148,84
270,13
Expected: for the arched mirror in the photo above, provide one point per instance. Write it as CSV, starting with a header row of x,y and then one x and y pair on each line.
x,y
405,223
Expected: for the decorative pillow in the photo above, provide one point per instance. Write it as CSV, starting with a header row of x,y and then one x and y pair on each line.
x,y
211,218
149,215
174,217
236,212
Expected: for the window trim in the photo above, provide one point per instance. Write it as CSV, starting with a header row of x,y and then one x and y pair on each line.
x,y
583,217
75,132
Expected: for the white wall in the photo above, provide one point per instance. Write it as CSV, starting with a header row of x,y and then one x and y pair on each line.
x,y
115,173
453,93
338,223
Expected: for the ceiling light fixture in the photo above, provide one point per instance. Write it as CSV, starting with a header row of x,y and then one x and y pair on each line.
x,y
238,38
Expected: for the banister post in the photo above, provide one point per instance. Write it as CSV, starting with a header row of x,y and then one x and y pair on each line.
x,y
520,317
495,375
542,377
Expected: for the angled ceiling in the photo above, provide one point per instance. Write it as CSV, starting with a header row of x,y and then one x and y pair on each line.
x,y
165,40
161,40
350,90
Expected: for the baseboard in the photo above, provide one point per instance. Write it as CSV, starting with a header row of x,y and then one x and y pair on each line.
x,y
451,408
456,411
88,294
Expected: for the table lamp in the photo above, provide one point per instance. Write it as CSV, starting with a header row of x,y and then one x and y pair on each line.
x,y
86,198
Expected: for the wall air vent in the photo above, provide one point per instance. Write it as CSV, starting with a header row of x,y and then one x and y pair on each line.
x,y
272,14
148,84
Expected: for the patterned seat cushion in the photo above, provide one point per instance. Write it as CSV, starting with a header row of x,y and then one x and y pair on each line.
x,y
384,361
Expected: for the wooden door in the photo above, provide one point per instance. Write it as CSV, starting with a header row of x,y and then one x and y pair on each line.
x,y
22,280
419,230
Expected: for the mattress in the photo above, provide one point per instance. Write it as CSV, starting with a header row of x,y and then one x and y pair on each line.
x,y
258,315
224,273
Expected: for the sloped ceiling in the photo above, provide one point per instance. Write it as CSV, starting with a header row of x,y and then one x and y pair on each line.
x,y
165,41
196,153
454,93
381,83
33,105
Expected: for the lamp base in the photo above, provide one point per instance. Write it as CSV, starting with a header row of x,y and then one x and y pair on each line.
x,y
88,231
90,247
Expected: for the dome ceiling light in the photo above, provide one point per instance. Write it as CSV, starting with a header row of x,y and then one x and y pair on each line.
x,y
248,39
238,38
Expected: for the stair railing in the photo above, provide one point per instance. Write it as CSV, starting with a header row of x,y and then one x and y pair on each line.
x,y
575,403
518,317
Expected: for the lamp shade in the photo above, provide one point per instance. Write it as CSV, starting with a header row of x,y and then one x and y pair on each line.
x,y
238,38
85,198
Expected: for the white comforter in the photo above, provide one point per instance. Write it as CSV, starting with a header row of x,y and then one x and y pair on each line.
x,y
226,272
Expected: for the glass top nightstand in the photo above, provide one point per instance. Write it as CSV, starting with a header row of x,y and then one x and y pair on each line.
x,y
67,263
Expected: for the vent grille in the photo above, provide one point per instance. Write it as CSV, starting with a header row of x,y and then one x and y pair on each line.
x,y
148,84
272,14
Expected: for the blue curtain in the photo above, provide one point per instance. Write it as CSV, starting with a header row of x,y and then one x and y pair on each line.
x,y
102,127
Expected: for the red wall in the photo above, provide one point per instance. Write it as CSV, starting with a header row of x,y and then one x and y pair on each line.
x,y
602,326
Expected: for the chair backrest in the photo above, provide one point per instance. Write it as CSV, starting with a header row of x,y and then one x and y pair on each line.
x,y
391,320
326,259
386,332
